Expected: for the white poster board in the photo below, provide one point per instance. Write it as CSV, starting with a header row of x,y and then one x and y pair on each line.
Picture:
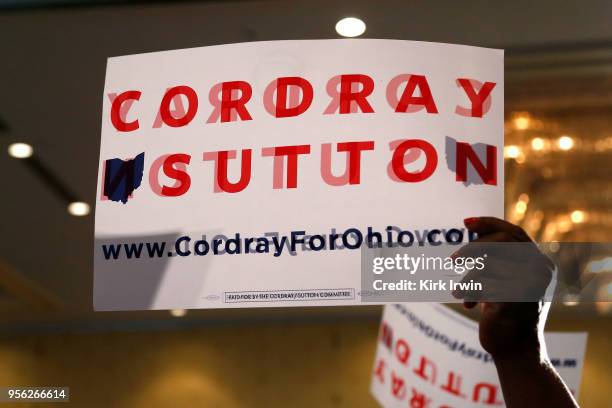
x,y
429,356
273,143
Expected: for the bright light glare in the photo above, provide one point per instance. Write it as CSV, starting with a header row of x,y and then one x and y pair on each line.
x,y
537,143
577,216
521,123
571,300
521,207
350,27
20,150
565,143
512,152
178,312
78,209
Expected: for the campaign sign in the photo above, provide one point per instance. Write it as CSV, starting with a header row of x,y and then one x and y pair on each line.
x,y
251,174
429,356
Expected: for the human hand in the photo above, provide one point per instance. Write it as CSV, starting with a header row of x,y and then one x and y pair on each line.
x,y
514,272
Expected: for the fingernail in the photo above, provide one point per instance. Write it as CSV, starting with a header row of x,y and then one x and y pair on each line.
x,y
471,220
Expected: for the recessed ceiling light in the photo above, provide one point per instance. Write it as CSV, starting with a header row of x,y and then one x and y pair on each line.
x,y
521,122
565,143
20,150
78,208
571,299
577,216
178,312
537,143
350,27
512,151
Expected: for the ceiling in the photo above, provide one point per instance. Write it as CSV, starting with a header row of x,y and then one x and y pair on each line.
x,y
559,70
